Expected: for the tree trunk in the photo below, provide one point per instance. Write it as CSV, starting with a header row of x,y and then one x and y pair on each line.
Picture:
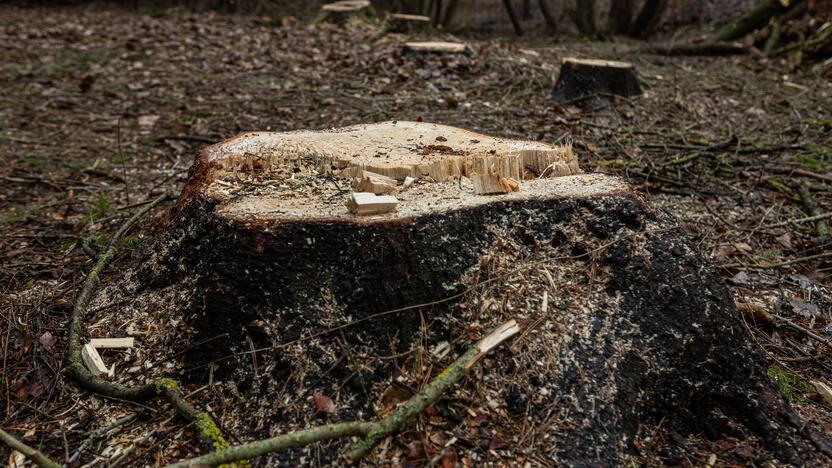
x,y
621,15
630,341
648,18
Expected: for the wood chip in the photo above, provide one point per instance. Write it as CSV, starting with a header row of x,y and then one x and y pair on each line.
x,y
489,184
365,203
109,343
373,183
93,361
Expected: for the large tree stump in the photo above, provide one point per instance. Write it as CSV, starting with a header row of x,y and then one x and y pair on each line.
x,y
582,79
631,345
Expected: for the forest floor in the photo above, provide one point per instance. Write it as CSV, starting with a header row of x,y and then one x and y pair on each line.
x,y
101,110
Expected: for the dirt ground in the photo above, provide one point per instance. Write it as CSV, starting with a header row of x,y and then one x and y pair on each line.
x,y
103,109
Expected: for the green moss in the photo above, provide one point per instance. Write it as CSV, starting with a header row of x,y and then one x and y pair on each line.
x,y
208,428
165,383
816,162
791,385
768,254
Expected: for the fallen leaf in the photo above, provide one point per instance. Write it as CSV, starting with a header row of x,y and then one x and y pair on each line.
x,y
147,120
47,341
393,396
324,403
449,458
498,444
16,459
785,240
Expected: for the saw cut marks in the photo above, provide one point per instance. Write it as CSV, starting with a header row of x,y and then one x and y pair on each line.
x,y
393,149
425,166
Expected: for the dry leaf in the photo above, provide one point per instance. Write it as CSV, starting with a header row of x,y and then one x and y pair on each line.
x,y
147,120
393,396
323,403
47,341
449,458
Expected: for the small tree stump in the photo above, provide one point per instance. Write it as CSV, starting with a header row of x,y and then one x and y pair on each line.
x,y
435,47
597,79
339,12
402,23
628,334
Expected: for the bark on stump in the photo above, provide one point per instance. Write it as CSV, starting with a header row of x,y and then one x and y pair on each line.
x,y
595,81
631,342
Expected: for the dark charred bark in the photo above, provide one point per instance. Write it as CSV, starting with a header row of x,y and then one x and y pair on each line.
x,y
591,83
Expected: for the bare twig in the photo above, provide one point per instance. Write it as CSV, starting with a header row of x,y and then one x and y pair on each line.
x,y
803,330
813,209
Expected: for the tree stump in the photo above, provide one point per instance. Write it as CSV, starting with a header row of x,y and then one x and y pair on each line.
x,y
403,23
595,80
339,12
631,345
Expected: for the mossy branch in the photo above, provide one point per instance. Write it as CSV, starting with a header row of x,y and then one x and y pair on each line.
x,y
209,435
38,458
373,432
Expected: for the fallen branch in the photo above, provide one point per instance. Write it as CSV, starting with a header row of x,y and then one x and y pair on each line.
x,y
38,458
209,435
758,266
373,432
756,18
803,330
701,48
798,221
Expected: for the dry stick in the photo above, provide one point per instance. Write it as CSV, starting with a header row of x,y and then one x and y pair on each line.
x,y
40,459
373,432
814,209
798,221
758,266
803,330
209,433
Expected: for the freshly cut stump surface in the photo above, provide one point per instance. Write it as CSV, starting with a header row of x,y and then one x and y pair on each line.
x,y
339,12
631,349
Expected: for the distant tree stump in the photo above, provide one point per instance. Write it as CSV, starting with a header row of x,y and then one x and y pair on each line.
x,y
631,342
582,79
402,23
339,12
